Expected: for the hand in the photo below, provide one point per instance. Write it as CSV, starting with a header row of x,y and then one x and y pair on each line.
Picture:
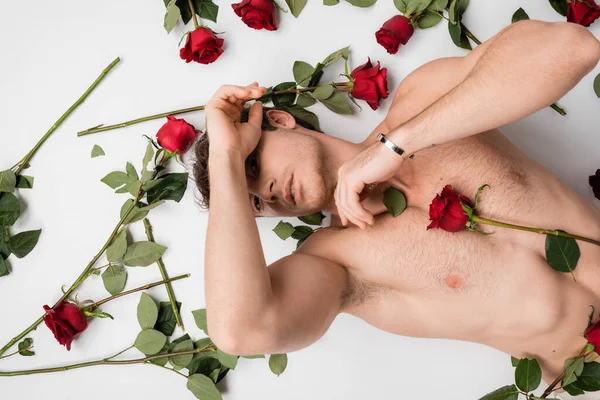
x,y
371,166
223,126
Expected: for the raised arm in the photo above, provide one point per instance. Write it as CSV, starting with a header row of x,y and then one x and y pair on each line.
x,y
523,69
252,309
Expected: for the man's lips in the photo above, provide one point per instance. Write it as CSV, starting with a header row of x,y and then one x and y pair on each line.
x,y
287,191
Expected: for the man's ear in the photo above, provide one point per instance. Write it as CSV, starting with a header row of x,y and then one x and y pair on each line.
x,y
281,119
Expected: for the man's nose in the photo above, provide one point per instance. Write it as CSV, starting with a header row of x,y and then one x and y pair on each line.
x,y
267,192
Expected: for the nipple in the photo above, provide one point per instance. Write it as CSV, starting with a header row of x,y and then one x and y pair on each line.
x,y
454,281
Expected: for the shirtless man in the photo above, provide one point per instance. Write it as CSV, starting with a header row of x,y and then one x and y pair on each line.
x,y
495,290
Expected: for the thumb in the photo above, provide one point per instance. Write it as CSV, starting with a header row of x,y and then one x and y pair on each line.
x,y
255,115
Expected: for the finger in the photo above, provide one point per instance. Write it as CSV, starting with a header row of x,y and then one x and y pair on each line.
x,y
255,114
349,212
340,211
353,201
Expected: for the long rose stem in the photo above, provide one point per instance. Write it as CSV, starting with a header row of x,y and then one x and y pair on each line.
x,y
193,11
163,272
486,221
104,361
138,289
21,164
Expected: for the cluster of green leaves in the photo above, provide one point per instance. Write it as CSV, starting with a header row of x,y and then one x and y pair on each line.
x,y
306,90
286,230
25,347
528,376
176,9
204,368
22,243
157,186
425,13
456,10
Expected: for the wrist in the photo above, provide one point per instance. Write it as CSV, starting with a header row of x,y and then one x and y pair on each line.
x,y
401,137
230,155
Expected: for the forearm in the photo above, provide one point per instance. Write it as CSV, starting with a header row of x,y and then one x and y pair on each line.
x,y
237,284
526,68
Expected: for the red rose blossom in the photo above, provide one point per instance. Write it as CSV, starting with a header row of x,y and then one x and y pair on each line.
x,y
201,46
395,31
66,321
445,211
257,14
595,184
176,134
370,83
583,12
592,334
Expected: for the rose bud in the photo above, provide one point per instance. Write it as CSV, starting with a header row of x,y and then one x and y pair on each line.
x,y
370,83
66,321
176,135
592,334
257,14
201,46
397,30
595,184
583,12
446,212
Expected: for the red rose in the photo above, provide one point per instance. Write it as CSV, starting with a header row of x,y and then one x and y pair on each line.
x,y
397,30
595,184
445,211
176,134
583,12
592,334
257,14
370,83
201,46
66,321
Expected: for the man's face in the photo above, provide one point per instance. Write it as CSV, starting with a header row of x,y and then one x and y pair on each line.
x,y
285,157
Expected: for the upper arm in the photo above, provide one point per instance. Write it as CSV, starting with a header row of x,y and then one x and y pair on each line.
x,y
307,296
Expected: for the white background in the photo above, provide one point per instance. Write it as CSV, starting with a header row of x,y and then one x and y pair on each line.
x,y
50,51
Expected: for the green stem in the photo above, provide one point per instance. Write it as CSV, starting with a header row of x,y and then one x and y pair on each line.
x,y
469,34
167,281
21,164
104,361
168,369
163,272
193,11
16,352
486,221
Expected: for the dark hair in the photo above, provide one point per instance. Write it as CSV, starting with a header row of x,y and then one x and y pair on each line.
x,y
201,150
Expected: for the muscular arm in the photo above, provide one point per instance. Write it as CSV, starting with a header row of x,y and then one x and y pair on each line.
x,y
526,67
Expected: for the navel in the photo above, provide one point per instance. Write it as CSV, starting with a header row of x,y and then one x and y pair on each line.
x,y
454,281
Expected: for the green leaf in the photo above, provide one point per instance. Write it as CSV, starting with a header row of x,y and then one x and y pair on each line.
x,y
302,72
117,247
323,92
142,254
150,341
97,151
597,85
228,360
459,38
528,374
163,360
278,363
171,16
409,7
4,268
171,187
560,6
302,232
24,182
296,7
116,179
22,243
330,2
147,185
305,100
254,357
147,312
182,361
284,230
394,201
131,172
4,250
304,115
114,279
200,319
10,210
336,55
147,156
166,321
573,368
207,9
514,361
519,15
589,378
135,215
453,12
562,253
337,103
438,5
573,389
8,181
362,3
428,19
509,392
203,387
24,346
285,99
313,219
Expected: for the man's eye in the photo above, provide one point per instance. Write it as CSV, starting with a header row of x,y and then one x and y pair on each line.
x,y
253,165
256,201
